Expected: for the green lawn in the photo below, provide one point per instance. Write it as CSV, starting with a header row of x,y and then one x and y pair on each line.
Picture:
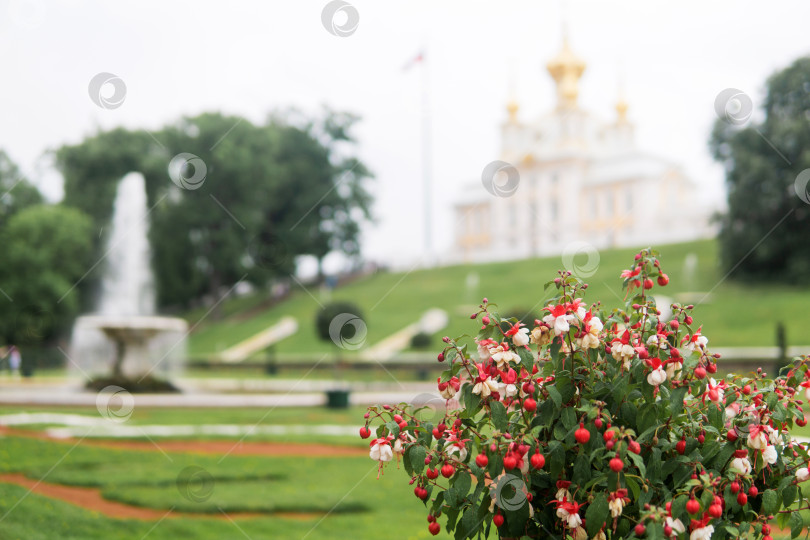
x,y
732,315
358,505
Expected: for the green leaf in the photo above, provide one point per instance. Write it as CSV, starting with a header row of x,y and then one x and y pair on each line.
x,y
770,501
716,416
679,506
499,418
596,514
556,458
569,418
555,396
407,460
582,470
450,498
647,417
796,524
526,358
639,463
676,404
417,458
469,522
633,486
789,495
462,484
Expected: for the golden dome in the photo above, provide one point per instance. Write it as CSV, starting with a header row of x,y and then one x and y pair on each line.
x,y
566,69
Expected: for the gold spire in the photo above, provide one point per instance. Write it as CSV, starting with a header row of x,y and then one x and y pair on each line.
x,y
566,69
512,108
621,102
621,110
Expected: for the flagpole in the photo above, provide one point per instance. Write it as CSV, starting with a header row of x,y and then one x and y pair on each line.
x,y
427,183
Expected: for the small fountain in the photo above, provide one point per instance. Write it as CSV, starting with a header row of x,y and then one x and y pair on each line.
x,y
124,339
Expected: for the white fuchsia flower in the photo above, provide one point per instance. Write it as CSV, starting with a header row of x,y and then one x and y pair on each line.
x,y
657,376
593,326
568,512
621,349
757,438
449,389
558,318
381,449
769,454
502,355
484,385
674,369
741,465
802,474
617,501
676,524
580,533
702,533
696,341
520,336
483,348
562,490
541,335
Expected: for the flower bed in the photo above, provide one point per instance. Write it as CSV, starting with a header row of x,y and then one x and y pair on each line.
x,y
595,424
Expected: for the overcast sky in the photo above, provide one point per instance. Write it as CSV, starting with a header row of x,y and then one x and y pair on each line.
x,y
248,58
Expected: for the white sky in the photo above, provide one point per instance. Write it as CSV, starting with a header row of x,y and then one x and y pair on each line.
x,y
247,58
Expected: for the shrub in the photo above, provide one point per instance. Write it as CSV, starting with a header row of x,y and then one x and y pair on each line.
x,y
595,425
326,317
422,340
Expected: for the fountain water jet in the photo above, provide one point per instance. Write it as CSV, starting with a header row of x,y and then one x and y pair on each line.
x,y
125,338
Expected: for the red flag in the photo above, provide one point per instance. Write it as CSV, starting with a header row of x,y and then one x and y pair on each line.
x,y
413,61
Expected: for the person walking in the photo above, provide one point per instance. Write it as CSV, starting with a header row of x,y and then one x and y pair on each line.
x,y
14,360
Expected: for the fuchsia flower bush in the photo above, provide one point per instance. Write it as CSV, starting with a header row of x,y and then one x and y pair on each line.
x,y
597,425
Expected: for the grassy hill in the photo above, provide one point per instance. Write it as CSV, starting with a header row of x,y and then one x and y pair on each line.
x,y
732,314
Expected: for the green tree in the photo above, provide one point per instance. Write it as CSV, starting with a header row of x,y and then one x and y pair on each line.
x,y
764,233
16,192
47,249
269,193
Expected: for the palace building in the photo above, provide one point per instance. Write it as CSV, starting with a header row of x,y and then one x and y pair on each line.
x,y
581,179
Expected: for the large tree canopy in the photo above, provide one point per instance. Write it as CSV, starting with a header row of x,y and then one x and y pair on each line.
x,y
764,234
46,251
256,197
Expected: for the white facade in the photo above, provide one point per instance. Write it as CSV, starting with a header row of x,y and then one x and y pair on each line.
x,y
581,180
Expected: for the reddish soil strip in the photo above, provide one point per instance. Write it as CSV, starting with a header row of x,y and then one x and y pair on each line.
x,y
244,448
91,499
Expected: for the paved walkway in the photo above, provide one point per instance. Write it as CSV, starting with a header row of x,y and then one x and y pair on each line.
x,y
199,393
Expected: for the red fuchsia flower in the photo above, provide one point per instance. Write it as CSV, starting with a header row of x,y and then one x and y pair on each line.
x,y
629,274
483,348
508,387
381,451
621,349
558,318
455,448
562,490
569,513
578,307
657,376
520,336
616,502
501,355
591,328
714,391
484,385
757,439
449,389
806,386
696,341
701,530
